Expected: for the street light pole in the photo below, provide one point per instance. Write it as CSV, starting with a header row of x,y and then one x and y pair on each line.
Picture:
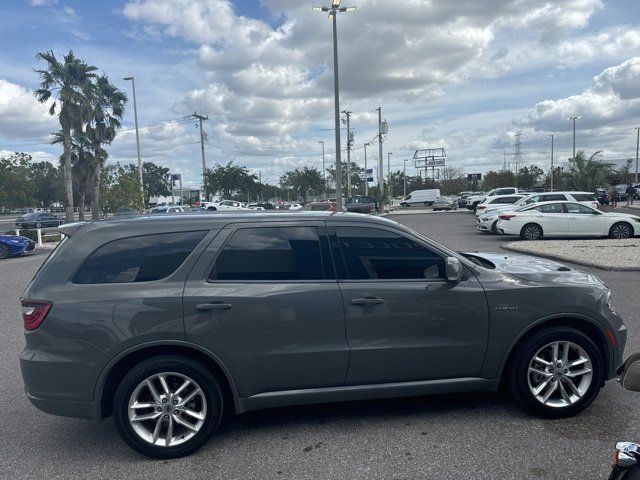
x,y
574,135
553,135
366,171
135,119
404,177
380,162
637,149
389,173
333,11
324,171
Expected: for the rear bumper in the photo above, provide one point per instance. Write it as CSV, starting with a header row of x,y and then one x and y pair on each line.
x,y
64,408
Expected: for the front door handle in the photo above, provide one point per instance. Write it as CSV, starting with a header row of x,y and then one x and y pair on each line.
x,y
367,301
205,307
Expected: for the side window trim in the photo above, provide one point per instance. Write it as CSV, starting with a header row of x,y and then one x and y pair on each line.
x,y
229,231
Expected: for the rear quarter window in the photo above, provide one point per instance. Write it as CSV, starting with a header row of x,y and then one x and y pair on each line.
x,y
138,259
584,197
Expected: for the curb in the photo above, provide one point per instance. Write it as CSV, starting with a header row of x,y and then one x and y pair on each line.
x,y
585,263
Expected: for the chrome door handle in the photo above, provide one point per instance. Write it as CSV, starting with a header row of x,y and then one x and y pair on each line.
x,y
367,301
205,307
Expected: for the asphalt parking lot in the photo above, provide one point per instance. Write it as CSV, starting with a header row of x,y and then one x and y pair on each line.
x,y
468,436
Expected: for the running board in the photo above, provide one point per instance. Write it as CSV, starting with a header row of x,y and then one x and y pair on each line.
x,y
365,392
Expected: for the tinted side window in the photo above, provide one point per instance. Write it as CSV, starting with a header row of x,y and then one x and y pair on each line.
x,y
270,253
555,197
372,253
551,208
138,259
584,197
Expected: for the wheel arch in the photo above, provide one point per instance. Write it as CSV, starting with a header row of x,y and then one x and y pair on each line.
x,y
625,223
532,223
114,372
582,323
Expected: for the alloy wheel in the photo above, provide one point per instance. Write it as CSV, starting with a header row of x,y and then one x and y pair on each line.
x,y
531,232
620,231
167,409
560,374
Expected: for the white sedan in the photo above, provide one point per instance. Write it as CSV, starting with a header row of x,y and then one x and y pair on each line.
x,y
224,205
566,219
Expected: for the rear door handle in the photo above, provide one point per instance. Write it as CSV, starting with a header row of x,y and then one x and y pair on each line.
x,y
205,307
367,301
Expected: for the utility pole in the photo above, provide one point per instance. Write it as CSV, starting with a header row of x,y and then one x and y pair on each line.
x,y
200,118
135,119
366,171
333,13
553,135
348,114
380,161
324,172
637,149
574,136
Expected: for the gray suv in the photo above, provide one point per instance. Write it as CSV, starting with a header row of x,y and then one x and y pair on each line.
x,y
165,322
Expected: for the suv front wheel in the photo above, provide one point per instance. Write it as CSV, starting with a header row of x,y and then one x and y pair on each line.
x,y
557,372
167,406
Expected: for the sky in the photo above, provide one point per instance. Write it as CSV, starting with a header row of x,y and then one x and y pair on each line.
x,y
464,75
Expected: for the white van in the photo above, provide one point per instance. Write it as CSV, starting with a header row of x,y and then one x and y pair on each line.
x,y
424,197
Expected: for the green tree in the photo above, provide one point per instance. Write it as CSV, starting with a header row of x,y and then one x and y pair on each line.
x,y
156,179
25,183
120,187
231,181
357,176
504,178
107,109
529,176
302,180
589,173
69,84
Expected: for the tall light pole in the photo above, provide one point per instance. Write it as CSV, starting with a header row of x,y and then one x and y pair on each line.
x,y
389,173
135,119
637,149
324,172
404,177
574,135
348,114
333,13
552,136
366,171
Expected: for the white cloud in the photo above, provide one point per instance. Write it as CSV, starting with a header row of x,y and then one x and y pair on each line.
x,y
21,116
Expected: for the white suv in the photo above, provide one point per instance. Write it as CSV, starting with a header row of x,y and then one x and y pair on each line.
x,y
474,200
497,201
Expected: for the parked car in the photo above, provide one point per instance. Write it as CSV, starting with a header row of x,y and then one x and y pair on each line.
x,y
322,207
421,197
361,204
38,220
168,209
474,200
488,222
622,192
462,199
602,196
166,324
224,205
497,201
445,203
566,219
585,198
13,245
255,206
295,206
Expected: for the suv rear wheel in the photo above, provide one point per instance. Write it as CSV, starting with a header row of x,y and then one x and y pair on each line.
x,y
167,407
557,372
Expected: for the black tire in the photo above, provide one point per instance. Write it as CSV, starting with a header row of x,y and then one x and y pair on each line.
x,y
427,204
494,227
620,231
175,364
212,209
5,251
531,231
518,375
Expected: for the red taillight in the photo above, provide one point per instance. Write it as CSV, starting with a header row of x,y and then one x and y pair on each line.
x,y
507,216
34,312
481,207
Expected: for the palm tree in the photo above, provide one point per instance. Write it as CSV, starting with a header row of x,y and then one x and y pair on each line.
x,y
107,110
589,173
82,162
70,84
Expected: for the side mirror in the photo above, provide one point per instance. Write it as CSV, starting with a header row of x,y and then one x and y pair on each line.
x,y
630,375
453,269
